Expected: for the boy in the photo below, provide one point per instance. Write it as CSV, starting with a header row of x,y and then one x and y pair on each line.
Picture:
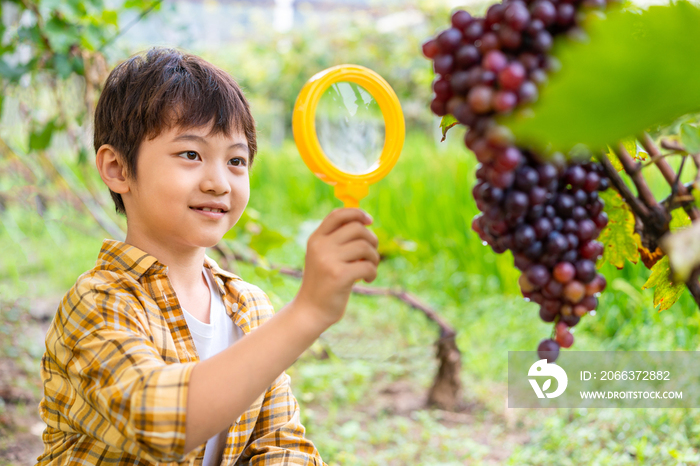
x,y
157,355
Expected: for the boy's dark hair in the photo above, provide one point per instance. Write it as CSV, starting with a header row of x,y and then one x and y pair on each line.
x,y
162,88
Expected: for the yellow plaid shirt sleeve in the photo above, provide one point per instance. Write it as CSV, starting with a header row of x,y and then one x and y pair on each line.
x,y
117,367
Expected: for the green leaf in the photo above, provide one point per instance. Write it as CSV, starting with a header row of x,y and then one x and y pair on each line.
x,y
631,146
61,35
266,239
690,138
666,293
447,122
40,139
110,17
614,160
633,73
62,65
619,238
679,220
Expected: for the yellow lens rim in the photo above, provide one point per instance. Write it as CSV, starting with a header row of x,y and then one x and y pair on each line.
x,y
304,125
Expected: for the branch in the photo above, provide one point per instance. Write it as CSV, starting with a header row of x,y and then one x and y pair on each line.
x,y
639,209
446,331
676,146
668,173
634,170
673,201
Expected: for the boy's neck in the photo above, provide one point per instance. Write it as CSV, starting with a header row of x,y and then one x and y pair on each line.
x,y
184,264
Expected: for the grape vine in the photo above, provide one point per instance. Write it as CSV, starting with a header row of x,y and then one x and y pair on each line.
x,y
546,210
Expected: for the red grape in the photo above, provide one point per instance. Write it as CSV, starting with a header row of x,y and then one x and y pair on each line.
x,y
516,15
449,39
544,11
538,275
443,64
512,76
574,291
431,48
504,101
596,285
564,272
479,98
461,19
548,349
494,61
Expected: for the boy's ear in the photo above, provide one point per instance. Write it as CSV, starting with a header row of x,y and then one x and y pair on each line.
x,y
111,168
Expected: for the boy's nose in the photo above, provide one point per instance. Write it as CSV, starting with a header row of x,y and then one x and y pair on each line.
x,y
215,181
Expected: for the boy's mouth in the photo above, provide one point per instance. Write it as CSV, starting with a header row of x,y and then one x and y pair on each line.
x,y
207,209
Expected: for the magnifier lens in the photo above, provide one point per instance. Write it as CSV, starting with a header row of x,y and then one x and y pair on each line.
x,y
350,128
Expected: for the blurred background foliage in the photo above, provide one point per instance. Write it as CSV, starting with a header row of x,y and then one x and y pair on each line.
x,y
362,387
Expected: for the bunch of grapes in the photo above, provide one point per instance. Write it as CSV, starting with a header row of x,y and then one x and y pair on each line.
x,y
547,211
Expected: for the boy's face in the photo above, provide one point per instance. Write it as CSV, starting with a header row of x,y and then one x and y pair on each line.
x,y
179,174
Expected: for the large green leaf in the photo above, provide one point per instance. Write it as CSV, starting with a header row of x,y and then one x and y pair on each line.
x,y
619,238
666,293
636,71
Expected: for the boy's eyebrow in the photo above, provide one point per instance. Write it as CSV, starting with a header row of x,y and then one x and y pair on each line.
x,y
194,137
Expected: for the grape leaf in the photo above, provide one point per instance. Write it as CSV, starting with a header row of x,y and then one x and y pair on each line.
x,y
617,165
634,72
690,138
666,293
631,146
619,238
679,220
447,122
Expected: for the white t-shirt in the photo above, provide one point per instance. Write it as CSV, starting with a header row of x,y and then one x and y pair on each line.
x,y
210,339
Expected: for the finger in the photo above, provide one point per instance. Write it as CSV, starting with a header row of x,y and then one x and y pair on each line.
x,y
363,270
353,231
340,217
358,250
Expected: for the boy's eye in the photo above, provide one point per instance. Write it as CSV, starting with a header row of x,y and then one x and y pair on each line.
x,y
189,155
238,161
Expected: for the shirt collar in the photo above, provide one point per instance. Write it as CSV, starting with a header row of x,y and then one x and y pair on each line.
x,y
123,256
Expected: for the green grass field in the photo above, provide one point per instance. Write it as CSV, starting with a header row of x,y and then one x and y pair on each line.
x,y
362,405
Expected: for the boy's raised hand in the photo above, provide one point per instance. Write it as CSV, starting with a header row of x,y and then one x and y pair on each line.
x,y
340,252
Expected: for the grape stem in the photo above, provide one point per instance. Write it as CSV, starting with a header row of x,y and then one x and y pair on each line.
x,y
639,209
653,216
678,190
674,201
634,170
668,173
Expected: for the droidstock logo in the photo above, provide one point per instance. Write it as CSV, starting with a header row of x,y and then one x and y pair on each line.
x,y
542,369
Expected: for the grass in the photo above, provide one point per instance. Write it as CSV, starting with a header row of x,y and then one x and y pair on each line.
x,y
361,404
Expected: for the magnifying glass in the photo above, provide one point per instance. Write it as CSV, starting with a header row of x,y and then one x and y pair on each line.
x,y
349,129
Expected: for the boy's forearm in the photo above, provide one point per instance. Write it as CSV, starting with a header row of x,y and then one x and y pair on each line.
x,y
223,387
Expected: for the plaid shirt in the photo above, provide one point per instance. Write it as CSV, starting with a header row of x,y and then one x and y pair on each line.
x,y
117,367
